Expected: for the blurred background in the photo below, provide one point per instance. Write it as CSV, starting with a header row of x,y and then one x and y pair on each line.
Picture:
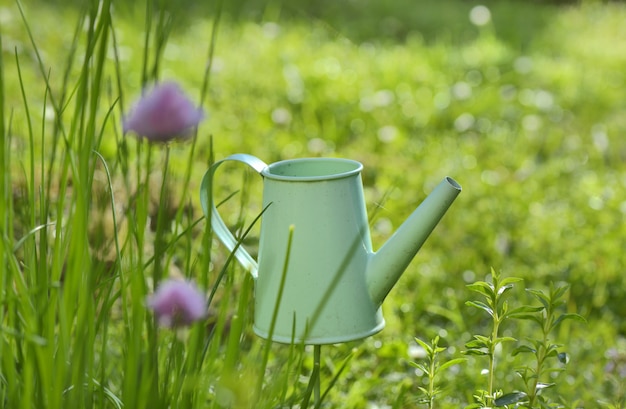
x,y
522,102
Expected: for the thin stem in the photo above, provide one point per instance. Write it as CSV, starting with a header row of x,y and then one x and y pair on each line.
x,y
431,380
211,52
146,45
317,353
279,296
492,359
160,242
541,355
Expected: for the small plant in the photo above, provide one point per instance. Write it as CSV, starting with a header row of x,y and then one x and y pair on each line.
x,y
542,349
431,368
534,373
498,308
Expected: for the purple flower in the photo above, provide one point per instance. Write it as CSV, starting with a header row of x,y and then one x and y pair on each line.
x,y
177,303
163,114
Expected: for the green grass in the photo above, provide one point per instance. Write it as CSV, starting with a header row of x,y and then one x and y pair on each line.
x,y
526,113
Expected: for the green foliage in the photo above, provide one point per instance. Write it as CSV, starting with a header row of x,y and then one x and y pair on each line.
x,y
498,309
432,368
548,319
533,374
526,112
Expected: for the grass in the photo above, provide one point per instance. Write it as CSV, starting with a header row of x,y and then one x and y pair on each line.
x,y
525,112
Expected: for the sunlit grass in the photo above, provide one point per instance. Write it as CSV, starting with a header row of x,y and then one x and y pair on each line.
x,y
531,125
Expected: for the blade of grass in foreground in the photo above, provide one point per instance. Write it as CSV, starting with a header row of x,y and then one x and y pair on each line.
x,y
10,381
279,296
64,376
7,368
5,198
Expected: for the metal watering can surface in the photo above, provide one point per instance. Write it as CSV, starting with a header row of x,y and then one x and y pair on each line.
x,y
334,283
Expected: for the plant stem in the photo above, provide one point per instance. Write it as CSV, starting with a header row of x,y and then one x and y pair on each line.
x,y
160,241
317,353
492,358
541,355
431,381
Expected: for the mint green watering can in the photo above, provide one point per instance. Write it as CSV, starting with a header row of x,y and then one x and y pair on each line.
x,y
330,287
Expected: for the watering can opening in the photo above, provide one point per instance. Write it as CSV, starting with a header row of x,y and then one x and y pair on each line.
x,y
453,182
312,169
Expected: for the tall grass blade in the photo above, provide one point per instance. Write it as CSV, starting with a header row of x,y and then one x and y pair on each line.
x,y
279,296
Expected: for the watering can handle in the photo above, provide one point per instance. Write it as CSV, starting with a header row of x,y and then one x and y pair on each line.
x,y
219,227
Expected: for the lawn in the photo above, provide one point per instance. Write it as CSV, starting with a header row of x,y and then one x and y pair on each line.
x,y
521,102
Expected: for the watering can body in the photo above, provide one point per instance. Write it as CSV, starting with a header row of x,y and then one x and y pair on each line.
x,y
317,280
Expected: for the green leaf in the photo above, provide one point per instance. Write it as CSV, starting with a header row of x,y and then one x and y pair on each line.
x,y
479,341
480,305
525,312
476,351
523,349
450,363
509,281
557,293
568,316
424,345
503,310
556,303
483,288
423,390
541,385
540,296
552,350
503,289
504,339
510,398
421,367
526,373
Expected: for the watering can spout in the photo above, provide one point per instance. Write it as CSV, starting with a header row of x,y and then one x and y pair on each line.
x,y
387,265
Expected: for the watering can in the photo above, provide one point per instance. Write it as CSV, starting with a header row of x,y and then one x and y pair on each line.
x,y
317,279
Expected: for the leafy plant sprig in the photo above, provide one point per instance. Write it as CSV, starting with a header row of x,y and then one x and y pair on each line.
x,y
542,349
497,307
431,368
